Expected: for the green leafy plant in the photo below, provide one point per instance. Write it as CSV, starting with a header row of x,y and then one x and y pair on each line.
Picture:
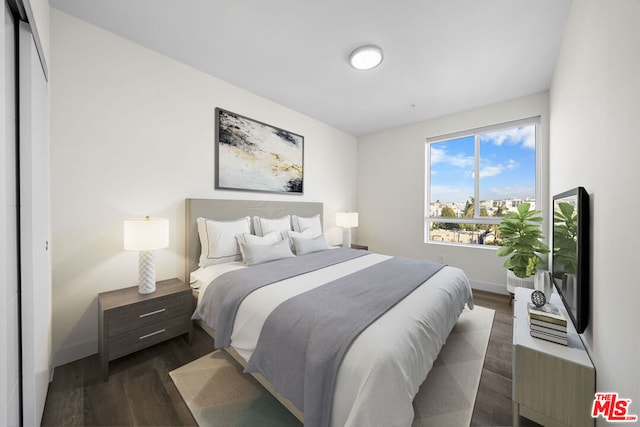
x,y
565,228
522,241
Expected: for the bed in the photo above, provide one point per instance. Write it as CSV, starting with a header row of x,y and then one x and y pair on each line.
x,y
381,370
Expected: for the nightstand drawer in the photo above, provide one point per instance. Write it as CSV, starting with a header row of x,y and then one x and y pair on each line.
x,y
144,314
126,343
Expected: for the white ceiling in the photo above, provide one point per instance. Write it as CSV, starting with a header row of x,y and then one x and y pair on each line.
x,y
441,56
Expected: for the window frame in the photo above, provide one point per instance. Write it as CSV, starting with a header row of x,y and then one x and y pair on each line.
x,y
477,219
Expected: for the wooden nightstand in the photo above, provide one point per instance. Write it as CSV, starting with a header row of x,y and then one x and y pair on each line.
x,y
129,321
356,246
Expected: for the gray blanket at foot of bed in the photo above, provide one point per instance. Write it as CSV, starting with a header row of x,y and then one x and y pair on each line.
x,y
304,340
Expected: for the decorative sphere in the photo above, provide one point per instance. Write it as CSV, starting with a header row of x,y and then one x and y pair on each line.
x,y
538,299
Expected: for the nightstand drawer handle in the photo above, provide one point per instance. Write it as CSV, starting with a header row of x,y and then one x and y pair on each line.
x,y
151,313
152,334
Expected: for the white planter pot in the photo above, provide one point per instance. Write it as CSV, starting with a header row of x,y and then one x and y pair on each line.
x,y
514,282
542,282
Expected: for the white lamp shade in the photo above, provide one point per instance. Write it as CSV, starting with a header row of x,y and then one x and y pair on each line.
x,y
146,234
347,219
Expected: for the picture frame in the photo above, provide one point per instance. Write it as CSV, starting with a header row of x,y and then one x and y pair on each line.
x,y
255,156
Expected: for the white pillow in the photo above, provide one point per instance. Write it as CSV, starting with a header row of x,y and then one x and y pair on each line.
x,y
218,240
258,254
264,225
299,223
250,239
306,246
288,235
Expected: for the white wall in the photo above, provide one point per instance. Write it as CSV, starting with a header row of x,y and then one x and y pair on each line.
x,y
132,133
391,182
595,111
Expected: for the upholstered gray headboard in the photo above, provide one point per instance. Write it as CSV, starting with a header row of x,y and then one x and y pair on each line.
x,y
225,210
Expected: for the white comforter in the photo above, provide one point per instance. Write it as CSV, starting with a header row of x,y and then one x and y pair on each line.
x,y
384,367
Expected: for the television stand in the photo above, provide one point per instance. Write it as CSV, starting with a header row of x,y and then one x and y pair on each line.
x,y
553,384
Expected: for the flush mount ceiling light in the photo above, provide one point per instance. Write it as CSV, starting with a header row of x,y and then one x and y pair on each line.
x,y
366,57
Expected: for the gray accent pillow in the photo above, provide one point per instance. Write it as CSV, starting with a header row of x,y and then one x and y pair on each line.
x,y
305,246
288,235
249,239
258,254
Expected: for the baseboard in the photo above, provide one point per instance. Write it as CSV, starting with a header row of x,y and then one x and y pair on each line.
x,y
75,352
496,288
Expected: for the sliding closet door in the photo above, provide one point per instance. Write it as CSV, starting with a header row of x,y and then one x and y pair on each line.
x,y
35,263
9,321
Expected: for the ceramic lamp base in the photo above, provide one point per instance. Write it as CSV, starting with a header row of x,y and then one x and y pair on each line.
x,y
146,272
346,237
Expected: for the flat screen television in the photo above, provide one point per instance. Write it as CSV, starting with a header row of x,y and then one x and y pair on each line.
x,y
570,254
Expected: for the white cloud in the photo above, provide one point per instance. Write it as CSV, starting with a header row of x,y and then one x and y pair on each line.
x,y
488,170
525,136
440,155
437,155
460,160
491,171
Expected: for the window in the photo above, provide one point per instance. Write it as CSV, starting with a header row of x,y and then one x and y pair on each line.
x,y
474,178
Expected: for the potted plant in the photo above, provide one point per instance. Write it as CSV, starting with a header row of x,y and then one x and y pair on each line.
x,y
522,242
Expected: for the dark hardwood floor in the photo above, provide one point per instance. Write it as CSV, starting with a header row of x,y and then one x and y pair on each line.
x,y
493,402
140,392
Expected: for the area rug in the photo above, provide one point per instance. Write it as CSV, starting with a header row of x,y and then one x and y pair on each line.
x,y
219,394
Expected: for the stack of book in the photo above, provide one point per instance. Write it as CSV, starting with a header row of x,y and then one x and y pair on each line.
x,y
547,322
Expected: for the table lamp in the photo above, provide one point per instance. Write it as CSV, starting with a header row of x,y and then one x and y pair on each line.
x,y
346,220
146,235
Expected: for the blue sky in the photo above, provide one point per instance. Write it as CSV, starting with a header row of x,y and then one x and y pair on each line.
x,y
507,166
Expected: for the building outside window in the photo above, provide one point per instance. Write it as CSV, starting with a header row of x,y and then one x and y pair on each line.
x,y
474,178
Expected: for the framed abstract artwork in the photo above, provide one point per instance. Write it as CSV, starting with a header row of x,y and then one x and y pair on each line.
x,y
255,156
